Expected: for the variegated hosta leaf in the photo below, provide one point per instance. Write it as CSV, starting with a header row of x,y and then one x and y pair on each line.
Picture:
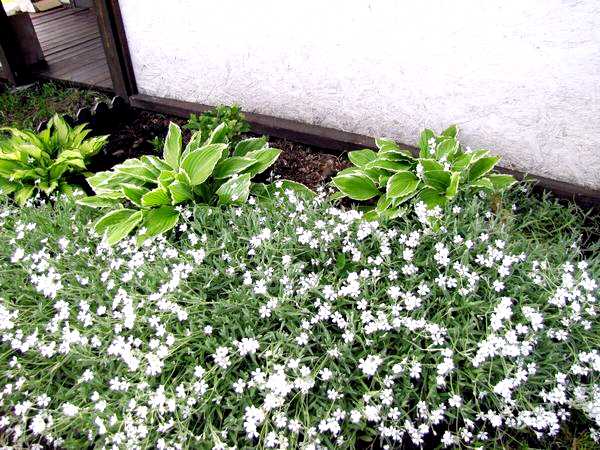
x,y
356,185
180,192
235,190
156,197
232,166
117,224
172,147
157,221
136,168
402,184
264,158
361,158
199,164
249,145
23,193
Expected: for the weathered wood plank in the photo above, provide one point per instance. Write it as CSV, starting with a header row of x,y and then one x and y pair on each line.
x,y
72,46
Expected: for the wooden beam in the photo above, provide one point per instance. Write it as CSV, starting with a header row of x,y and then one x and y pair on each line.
x,y
331,139
112,31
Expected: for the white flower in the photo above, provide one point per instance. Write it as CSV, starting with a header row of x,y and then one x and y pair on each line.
x,y
370,364
17,255
37,425
69,409
221,357
247,346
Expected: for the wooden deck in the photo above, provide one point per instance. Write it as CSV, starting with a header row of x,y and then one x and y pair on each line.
x,y
72,47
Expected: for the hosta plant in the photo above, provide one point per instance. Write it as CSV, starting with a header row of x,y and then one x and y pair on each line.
x,y
46,161
145,192
441,170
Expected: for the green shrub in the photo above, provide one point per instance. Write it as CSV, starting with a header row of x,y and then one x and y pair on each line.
x,y
296,324
146,192
45,161
231,116
442,169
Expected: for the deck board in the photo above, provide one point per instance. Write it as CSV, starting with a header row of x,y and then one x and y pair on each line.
x,y
72,46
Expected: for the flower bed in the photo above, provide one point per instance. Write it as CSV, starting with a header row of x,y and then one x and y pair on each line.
x,y
291,323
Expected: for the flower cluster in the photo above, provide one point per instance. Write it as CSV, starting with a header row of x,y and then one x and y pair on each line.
x,y
293,324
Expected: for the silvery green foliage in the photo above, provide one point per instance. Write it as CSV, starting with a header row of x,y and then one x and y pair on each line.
x,y
441,170
297,324
44,162
146,193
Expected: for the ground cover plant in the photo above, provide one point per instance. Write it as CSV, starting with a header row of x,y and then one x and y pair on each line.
x,y
33,162
293,323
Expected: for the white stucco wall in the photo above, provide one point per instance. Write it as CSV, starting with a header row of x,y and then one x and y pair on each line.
x,y
522,78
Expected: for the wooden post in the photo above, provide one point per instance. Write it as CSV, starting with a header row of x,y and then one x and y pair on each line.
x,y
114,40
7,46
20,49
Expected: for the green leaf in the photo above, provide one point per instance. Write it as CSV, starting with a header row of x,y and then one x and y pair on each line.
x,y
249,145
231,166
264,158
480,153
452,189
117,224
157,221
397,201
451,131
219,134
361,158
357,186
22,194
135,168
350,170
446,149
337,195
401,184
155,162
482,166
8,187
47,187
432,198
196,141
386,164
97,201
235,190
426,134
461,161
430,164
156,197
165,178
383,203
172,147
483,183
298,188
501,181
180,192
199,164
437,179
119,230
134,193
388,149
